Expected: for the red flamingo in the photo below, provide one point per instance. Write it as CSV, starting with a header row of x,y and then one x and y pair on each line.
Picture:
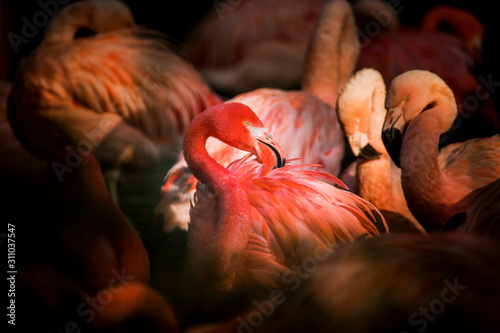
x,y
122,93
304,120
462,24
435,182
361,112
396,283
249,222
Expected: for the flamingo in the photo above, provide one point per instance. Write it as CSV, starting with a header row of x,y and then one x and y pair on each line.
x,y
266,50
88,250
361,112
448,55
122,94
463,24
250,222
421,107
306,115
234,58
396,283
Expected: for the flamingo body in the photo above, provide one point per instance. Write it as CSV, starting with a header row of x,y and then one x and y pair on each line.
x,y
306,116
123,93
280,216
434,181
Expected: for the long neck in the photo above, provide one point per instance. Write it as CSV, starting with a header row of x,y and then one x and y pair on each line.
x,y
222,249
421,177
332,53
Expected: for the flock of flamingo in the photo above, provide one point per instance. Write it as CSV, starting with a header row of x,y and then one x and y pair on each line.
x,y
322,163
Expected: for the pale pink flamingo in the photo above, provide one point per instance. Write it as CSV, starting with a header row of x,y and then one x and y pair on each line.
x,y
88,249
251,223
421,107
448,55
123,93
361,112
395,283
304,120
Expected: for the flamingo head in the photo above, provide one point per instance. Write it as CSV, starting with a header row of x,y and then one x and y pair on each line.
x,y
410,95
361,112
239,127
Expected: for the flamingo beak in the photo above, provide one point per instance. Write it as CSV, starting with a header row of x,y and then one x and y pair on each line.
x,y
266,149
392,134
361,147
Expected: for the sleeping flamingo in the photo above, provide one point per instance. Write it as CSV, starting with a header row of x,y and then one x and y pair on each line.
x,y
304,120
396,283
435,182
361,112
251,223
122,93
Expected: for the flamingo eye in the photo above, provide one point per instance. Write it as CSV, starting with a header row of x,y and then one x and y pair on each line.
x,y
406,97
246,123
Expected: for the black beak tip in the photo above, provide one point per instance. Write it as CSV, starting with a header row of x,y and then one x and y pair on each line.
x,y
393,139
369,152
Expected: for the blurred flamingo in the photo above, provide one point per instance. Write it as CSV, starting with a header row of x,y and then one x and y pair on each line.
x,y
458,22
88,250
55,300
304,120
250,222
361,112
122,93
435,182
18,165
451,274
234,58
243,47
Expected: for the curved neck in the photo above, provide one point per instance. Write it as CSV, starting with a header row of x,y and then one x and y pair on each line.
x,y
225,237
421,176
332,52
377,117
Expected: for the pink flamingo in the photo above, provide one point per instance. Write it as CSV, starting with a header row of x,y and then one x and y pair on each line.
x,y
122,93
450,275
421,107
361,112
306,115
250,222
